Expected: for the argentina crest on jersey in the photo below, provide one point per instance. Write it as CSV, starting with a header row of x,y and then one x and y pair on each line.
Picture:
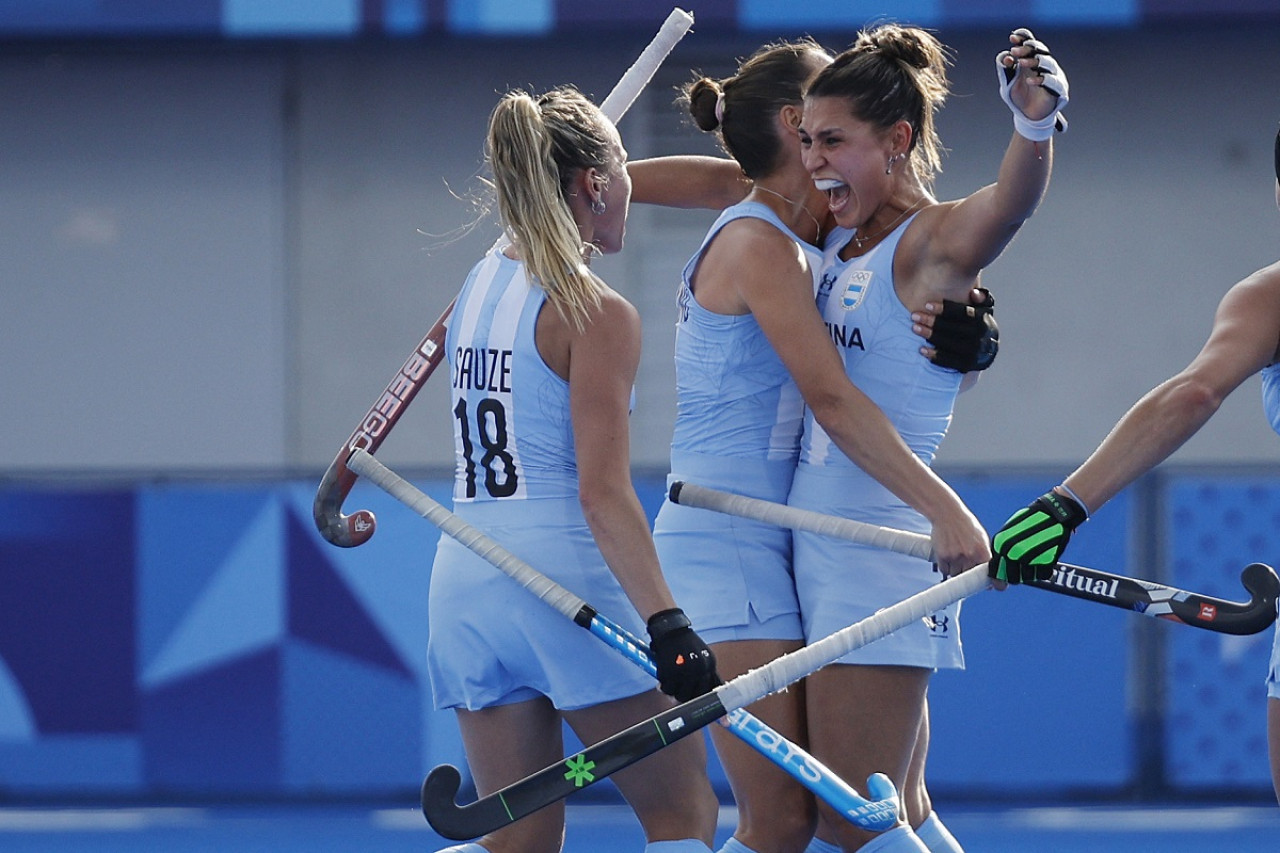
x,y
855,288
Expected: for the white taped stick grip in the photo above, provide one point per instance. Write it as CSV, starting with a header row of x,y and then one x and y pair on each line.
x,y
790,668
781,515
468,535
624,94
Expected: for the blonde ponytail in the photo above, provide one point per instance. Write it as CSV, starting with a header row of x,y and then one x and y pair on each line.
x,y
535,148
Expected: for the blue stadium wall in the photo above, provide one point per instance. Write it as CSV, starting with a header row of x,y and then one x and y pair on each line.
x,y
200,640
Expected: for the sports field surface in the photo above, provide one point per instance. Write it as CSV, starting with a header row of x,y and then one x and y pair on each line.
x,y
1174,828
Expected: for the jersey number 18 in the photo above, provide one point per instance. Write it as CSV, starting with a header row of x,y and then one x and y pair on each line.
x,y
491,418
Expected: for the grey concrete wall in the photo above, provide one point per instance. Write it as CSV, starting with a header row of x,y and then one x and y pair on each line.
x,y
213,259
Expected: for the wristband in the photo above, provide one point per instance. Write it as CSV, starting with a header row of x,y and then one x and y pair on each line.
x,y
665,621
1071,494
1054,81
1036,131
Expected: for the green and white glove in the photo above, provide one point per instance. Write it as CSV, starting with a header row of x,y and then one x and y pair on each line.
x,y
1029,545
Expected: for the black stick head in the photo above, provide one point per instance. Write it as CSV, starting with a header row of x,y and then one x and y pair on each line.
x,y
1250,617
439,803
1264,588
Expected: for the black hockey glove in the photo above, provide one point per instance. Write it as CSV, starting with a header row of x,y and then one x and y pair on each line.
x,y
966,337
1031,542
686,667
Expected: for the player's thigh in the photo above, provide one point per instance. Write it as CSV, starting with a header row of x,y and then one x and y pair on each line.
x,y
504,744
775,812
672,779
748,771
866,719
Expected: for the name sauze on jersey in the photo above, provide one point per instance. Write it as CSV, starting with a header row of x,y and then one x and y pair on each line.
x,y
478,369
845,337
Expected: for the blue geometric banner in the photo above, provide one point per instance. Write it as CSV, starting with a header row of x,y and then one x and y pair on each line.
x,y
201,639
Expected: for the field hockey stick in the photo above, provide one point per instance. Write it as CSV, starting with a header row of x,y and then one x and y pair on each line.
x,y
348,531
877,815
1140,596
501,808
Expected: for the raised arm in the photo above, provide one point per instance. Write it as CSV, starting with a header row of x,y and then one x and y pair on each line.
x,y
974,231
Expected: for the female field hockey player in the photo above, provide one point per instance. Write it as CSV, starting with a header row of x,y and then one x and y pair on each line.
x,y
1244,340
543,355
868,140
751,351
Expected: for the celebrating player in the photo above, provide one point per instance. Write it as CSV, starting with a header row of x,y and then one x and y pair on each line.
x,y
750,352
869,141
543,355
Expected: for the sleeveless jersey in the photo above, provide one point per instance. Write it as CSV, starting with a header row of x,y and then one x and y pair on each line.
x,y
837,582
501,389
872,331
1271,394
737,428
735,401
490,642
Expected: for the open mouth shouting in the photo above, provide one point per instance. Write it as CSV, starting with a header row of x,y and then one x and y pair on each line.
x,y
837,193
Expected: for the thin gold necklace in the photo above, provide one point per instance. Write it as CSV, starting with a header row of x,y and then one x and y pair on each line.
x,y
817,227
860,242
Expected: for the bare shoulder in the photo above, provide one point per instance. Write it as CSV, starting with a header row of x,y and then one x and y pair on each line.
x,y
1257,292
614,308
749,259
613,325
605,354
751,247
1267,277
1246,326
750,231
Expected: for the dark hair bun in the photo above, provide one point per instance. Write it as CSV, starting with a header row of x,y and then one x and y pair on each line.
x,y
703,95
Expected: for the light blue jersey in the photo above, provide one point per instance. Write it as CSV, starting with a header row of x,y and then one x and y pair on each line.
x,y
491,641
738,421
734,397
1271,394
837,582
1271,405
511,428
871,329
